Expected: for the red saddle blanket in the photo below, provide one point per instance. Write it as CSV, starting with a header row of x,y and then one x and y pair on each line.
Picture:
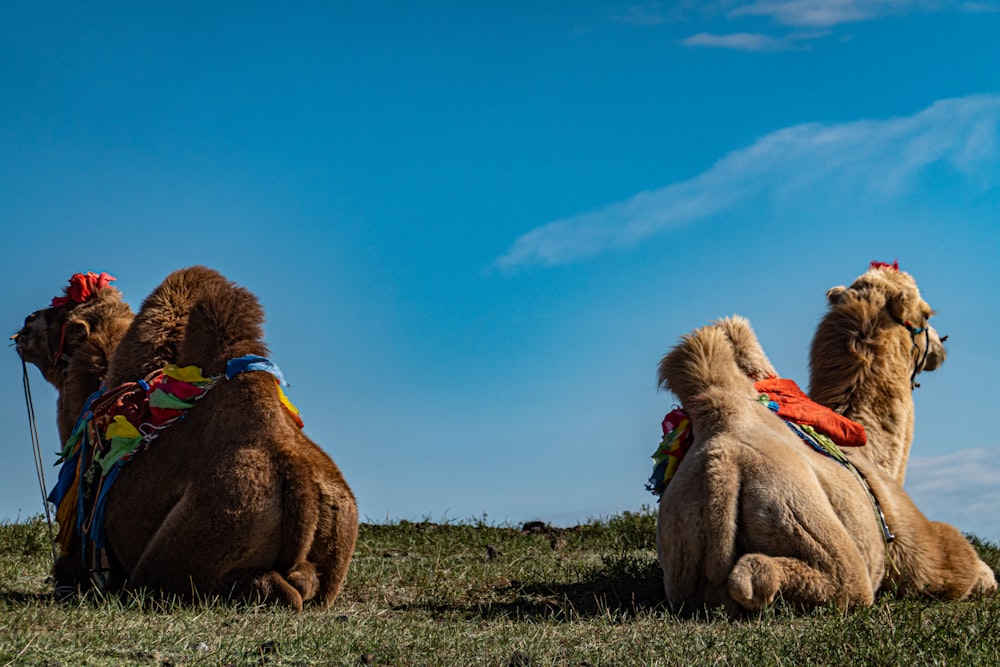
x,y
794,405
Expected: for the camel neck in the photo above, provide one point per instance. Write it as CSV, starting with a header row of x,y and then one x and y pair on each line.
x,y
874,390
87,368
887,415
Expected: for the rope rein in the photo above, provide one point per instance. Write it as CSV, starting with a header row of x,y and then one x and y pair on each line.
x,y
37,449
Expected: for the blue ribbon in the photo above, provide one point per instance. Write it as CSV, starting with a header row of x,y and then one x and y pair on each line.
x,y
253,362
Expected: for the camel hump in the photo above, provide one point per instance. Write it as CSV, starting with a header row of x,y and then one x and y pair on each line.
x,y
189,319
224,322
749,354
703,359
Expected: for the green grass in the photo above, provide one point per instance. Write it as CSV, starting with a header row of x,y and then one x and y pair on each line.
x,y
471,593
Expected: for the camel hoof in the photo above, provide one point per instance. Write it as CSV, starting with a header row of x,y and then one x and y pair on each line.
x,y
987,582
753,583
303,578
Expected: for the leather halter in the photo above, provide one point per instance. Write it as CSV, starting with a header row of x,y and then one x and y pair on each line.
x,y
58,354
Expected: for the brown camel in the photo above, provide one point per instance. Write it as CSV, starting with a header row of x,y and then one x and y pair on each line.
x,y
754,512
866,353
233,499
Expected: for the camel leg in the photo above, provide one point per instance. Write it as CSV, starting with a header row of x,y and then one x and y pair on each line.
x,y
758,578
304,578
187,558
939,561
322,574
319,530
261,586
965,572
985,579
823,570
339,547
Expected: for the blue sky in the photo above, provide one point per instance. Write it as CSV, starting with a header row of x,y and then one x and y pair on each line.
x,y
475,231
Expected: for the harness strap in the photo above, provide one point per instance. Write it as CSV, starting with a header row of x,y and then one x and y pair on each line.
x,y
830,449
57,355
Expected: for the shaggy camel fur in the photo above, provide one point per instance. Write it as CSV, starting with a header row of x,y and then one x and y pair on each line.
x,y
754,513
867,350
233,500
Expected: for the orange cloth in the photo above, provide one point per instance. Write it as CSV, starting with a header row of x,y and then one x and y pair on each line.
x,y
794,405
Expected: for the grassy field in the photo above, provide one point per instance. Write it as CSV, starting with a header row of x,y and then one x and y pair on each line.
x,y
471,593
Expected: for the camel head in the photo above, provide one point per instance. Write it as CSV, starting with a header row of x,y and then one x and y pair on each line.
x,y
53,337
893,303
40,339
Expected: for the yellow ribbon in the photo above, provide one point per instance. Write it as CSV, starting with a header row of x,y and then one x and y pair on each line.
x,y
190,374
121,428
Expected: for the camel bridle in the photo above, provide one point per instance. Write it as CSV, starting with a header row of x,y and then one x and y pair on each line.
x,y
915,331
60,353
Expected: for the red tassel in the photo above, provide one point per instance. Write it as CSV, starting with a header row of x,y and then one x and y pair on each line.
x,y
82,286
885,265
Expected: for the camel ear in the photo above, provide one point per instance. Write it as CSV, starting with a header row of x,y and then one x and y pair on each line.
x,y
834,294
75,333
897,304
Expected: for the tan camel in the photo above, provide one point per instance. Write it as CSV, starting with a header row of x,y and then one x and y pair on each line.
x,y
233,499
754,512
866,353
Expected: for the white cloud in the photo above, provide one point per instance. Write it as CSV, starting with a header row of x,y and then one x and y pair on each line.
x,y
980,7
740,41
830,13
868,158
820,13
811,20
962,488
